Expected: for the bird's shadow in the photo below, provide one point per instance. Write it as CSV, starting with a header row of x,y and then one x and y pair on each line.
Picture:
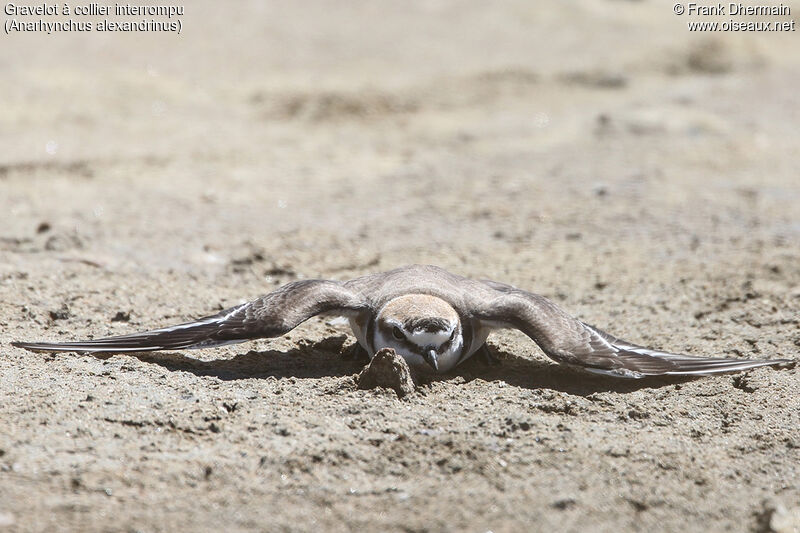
x,y
317,360
545,374
326,359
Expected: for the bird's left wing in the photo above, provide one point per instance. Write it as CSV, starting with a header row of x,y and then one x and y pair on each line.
x,y
568,340
271,315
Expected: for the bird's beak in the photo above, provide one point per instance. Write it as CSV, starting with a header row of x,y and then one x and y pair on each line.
x,y
431,359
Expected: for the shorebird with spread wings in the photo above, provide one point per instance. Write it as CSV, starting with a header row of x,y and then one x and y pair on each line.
x,y
430,317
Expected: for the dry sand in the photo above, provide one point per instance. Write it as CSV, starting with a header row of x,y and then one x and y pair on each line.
x,y
596,152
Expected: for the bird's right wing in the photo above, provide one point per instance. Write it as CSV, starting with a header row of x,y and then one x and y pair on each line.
x,y
271,315
568,340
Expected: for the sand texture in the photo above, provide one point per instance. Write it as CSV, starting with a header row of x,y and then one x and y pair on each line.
x,y
645,178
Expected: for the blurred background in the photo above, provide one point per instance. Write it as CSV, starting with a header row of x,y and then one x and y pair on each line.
x,y
426,130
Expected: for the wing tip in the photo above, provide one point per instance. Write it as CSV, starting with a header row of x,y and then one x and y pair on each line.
x,y
77,347
718,366
733,365
36,346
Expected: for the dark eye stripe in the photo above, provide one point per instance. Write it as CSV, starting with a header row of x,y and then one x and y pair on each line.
x,y
397,333
413,347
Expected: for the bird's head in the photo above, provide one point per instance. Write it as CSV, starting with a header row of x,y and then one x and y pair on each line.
x,y
423,329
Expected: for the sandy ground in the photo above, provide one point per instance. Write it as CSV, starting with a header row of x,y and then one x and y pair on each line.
x,y
596,152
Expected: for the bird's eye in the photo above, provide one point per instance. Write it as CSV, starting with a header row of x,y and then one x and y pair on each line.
x,y
397,333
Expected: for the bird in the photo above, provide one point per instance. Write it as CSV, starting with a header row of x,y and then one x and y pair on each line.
x,y
433,319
